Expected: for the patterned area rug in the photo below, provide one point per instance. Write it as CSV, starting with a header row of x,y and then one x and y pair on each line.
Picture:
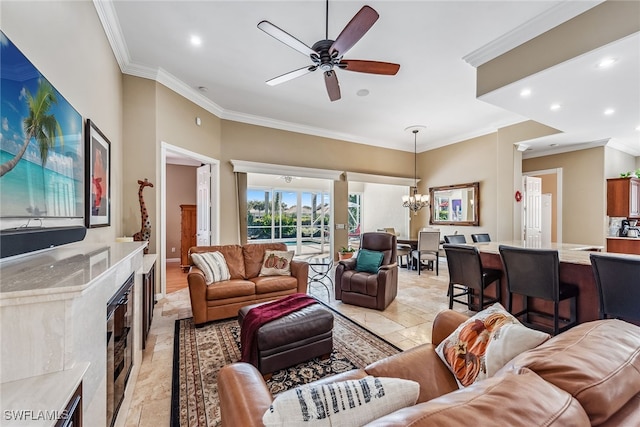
x,y
199,353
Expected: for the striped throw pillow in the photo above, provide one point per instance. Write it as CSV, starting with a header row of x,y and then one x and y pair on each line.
x,y
345,403
213,265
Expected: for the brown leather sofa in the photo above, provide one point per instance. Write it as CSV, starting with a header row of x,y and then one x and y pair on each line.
x,y
222,300
589,375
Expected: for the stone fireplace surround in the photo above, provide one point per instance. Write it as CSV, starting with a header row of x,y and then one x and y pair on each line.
x,y
53,307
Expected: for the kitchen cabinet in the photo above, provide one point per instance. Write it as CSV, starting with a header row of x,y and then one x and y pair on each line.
x,y
623,245
188,226
623,197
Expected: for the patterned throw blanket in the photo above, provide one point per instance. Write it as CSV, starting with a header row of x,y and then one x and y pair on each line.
x,y
258,316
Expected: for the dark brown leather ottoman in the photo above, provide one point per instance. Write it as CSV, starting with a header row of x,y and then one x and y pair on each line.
x,y
292,339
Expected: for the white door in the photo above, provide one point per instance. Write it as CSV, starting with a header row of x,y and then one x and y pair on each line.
x,y
204,206
532,211
546,218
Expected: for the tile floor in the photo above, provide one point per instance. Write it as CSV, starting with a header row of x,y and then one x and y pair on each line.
x,y
405,323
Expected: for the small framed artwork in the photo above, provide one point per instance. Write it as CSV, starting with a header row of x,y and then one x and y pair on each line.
x,y
98,177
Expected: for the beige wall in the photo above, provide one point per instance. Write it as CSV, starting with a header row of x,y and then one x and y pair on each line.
x,y
93,87
260,144
583,193
607,22
156,114
181,190
464,162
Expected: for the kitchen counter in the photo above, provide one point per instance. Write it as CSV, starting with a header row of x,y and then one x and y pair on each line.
x,y
575,268
567,252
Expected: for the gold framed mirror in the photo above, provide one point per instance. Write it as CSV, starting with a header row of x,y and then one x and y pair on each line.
x,y
455,204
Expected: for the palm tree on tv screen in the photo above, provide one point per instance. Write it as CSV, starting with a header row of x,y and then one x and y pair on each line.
x,y
39,125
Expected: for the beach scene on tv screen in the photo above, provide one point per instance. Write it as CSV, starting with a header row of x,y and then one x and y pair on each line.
x,y
41,145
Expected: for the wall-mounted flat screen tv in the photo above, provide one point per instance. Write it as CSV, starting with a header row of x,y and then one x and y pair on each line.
x,y
41,157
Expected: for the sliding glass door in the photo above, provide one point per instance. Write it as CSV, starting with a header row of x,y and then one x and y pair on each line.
x,y
298,218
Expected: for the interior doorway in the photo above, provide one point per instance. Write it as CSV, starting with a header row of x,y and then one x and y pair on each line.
x,y
177,162
551,186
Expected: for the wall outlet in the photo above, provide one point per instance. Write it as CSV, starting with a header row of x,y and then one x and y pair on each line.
x,y
173,249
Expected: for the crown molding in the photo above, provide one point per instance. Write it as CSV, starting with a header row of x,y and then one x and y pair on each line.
x,y
564,149
109,20
625,148
542,23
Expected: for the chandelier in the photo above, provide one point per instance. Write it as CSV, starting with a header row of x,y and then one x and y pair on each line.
x,y
415,201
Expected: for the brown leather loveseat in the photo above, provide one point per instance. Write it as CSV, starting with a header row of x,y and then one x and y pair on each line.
x,y
222,300
589,375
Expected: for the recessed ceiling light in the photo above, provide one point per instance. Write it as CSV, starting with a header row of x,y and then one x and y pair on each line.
x,y
555,107
606,62
362,92
203,89
638,128
553,145
196,41
525,92
609,111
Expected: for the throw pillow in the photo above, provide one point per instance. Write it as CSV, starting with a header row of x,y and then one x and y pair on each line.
x,y
484,343
347,403
276,263
368,261
213,265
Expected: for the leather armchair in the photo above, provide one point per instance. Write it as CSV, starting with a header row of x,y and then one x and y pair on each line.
x,y
371,290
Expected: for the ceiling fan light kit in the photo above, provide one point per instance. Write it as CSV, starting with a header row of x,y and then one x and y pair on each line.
x,y
327,54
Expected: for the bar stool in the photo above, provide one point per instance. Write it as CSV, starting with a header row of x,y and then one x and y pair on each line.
x,y
535,273
467,275
455,238
618,283
480,237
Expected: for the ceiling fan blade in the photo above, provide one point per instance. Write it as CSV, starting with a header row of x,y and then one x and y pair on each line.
x,y
333,88
354,30
290,75
373,67
285,38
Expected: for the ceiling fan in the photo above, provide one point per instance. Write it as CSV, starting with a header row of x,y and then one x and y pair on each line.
x,y
327,55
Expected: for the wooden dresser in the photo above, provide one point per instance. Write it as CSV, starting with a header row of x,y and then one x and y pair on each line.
x,y
189,229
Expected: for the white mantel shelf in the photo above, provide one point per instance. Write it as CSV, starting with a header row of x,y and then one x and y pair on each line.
x,y
60,273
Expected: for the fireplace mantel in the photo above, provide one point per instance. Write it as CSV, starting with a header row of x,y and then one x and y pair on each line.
x,y
53,308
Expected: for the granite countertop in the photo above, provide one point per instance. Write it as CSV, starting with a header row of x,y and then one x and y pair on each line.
x,y
623,238
567,252
65,269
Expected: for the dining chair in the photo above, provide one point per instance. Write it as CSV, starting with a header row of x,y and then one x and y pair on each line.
x,y
468,276
618,283
428,250
535,273
480,237
403,250
455,238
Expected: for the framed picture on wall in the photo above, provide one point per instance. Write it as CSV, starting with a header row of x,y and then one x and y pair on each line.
x,y
98,177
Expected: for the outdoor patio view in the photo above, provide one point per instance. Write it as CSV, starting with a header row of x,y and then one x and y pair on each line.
x,y
298,218
301,219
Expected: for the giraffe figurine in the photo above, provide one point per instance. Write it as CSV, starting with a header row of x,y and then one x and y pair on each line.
x,y
145,228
